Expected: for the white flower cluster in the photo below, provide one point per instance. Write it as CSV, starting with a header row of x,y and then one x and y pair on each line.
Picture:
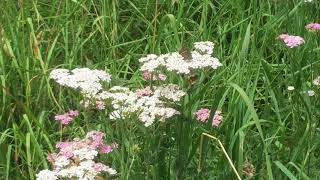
x,y
75,159
205,47
85,79
148,105
85,170
311,93
290,88
316,81
46,175
171,92
201,57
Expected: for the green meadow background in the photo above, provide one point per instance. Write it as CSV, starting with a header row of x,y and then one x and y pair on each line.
x,y
267,130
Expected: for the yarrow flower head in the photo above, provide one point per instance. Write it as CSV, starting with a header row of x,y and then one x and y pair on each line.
x,y
85,79
313,27
170,92
73,113
47,175
105,148
75,159
162,77
291,41
310,93
148,76
290,88
316,81
144,92
205,47
147,104
217,118
67,117
203,115
201,57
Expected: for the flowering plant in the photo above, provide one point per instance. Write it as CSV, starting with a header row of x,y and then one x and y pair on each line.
x,y
159,101
201,57
204,114
75,159
85,79
313,27
291,41
66,118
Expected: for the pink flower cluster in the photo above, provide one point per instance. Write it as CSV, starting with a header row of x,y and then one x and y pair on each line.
x,y
217,118
93,140
67,117
144,92
148,75
313,27
203,115
75,158
294,41
291,41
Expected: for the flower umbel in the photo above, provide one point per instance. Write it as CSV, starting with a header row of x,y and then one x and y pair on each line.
x,y
67,117
313,27
146,104
316,81
290,88
201,57
47,175
75,159
291,41
217,118
310,93
85,79
203,115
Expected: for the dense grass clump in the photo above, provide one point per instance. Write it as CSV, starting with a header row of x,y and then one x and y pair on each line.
x,y
254,116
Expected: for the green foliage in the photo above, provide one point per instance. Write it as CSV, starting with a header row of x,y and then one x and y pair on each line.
x,y
265,125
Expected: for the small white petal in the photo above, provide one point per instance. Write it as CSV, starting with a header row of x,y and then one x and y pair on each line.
x,y
290,88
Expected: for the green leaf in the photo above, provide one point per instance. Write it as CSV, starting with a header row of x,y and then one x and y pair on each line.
x,y
285,170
